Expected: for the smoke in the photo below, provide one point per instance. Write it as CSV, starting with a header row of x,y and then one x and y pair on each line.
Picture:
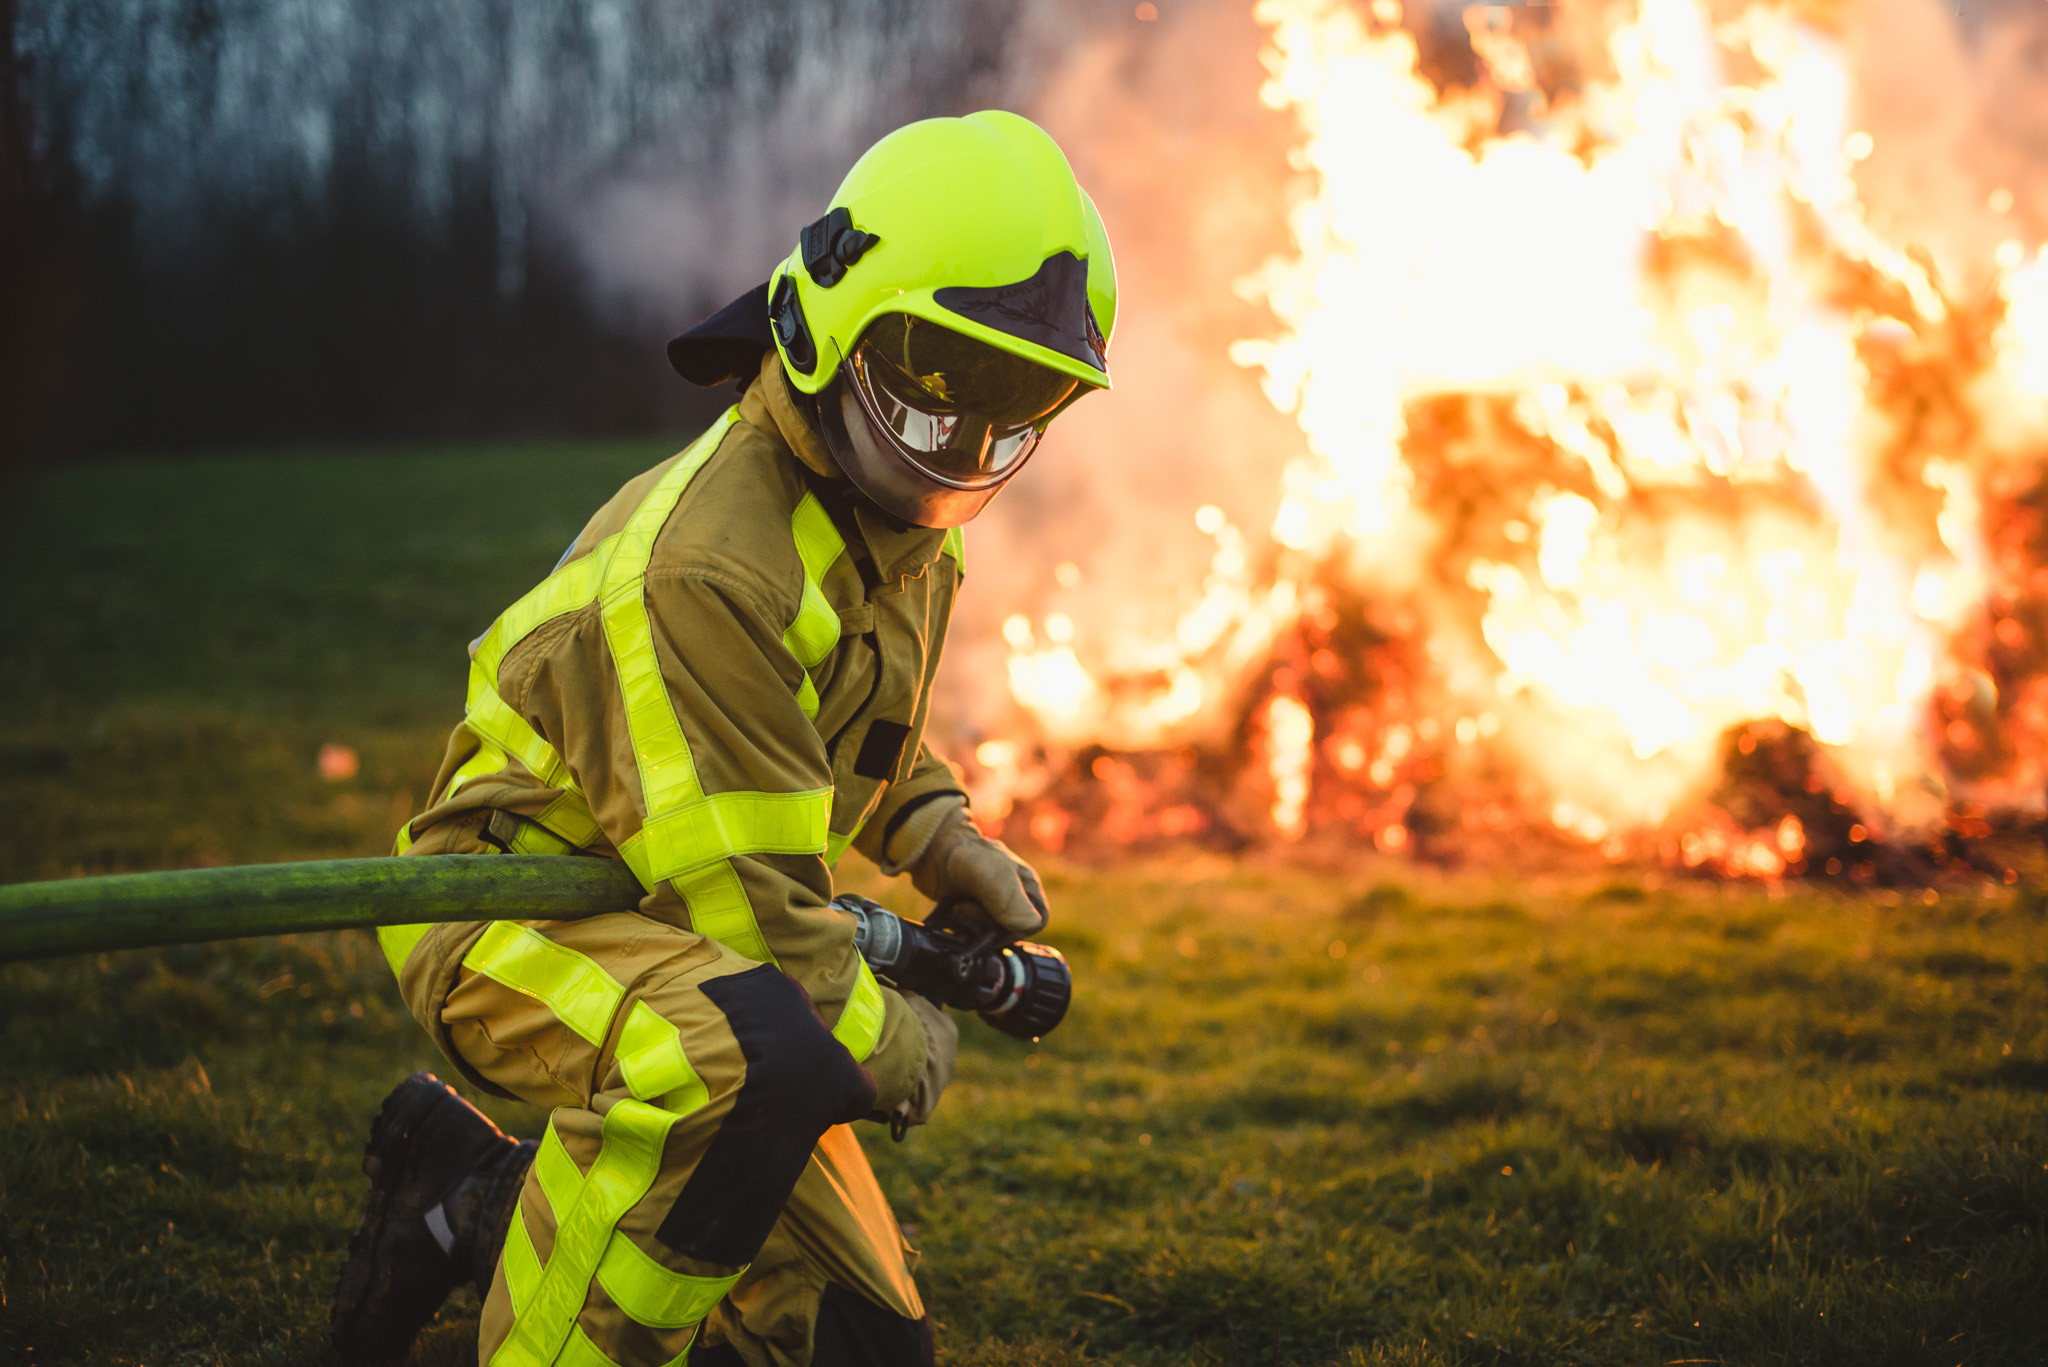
x,y
697,211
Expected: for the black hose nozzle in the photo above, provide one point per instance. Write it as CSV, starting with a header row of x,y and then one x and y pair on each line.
x,y
1021,989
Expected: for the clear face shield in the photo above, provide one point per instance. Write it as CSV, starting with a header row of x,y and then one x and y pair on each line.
x,y
930,423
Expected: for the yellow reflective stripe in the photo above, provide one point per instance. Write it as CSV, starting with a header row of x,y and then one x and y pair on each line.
x,y
531,838
818,544
835,846
807,697
488,759
625,1169
522,1264
493,719
626,559
667,776
579,1351
560,1178
567,589
719,908
685,836
581,994
397,943
692,847
956,546
725,824
651,1294
640,1286
656,1069
860,1020
569,817
619,558
404,840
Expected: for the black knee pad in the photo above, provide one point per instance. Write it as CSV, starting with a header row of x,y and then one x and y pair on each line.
x,y
853,1331
800,1082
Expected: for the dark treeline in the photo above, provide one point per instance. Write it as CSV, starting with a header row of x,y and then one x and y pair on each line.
x,y
306,220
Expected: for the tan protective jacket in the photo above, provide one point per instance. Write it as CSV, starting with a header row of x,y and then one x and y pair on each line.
x,y
792,635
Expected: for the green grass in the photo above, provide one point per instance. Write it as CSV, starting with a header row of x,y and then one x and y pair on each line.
x,y
181,637
1515,1123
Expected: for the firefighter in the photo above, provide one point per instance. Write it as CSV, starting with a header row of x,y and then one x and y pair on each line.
x,y
724,682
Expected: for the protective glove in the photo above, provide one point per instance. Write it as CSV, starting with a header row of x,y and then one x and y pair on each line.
x,y
949,857
941,1044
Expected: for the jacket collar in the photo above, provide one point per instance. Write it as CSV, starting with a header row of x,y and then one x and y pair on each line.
x,y
897,550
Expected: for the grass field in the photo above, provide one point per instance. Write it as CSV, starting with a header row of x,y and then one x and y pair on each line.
x,y
1296,1116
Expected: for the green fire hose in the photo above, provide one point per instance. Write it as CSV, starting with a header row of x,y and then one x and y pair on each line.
x,y
133,910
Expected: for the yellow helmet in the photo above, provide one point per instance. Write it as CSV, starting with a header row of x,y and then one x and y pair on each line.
x,y
956,296
976,224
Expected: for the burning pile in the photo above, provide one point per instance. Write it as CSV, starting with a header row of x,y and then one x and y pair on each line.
x,y
1631,453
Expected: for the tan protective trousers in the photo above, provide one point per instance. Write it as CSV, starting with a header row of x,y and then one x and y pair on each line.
x,y
731,1200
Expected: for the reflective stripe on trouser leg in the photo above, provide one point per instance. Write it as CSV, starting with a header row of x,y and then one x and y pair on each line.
x,y
694,1037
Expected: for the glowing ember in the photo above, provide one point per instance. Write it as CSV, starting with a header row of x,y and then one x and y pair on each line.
x,y
1614,415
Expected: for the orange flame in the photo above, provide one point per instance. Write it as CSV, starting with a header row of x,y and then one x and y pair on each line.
x,y
1598,398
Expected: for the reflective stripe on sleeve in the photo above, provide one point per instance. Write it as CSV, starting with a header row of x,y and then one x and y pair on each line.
x,y
720,909
721,825
492,718
397,943
532,838
860,1020
569,587
956,546
581,994
569,816
488,759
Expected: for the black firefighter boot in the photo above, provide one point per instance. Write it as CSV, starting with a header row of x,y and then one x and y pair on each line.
x,y
444,1182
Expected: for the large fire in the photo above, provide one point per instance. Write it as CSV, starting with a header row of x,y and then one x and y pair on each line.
x,y
1630,448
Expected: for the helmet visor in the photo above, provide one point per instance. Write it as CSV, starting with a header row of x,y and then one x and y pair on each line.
x,y
959,410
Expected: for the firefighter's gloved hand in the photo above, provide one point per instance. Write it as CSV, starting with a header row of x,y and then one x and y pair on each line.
x,y
949,857
942,1043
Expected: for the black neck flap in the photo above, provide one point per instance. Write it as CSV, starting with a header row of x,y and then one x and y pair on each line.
x,y
728,345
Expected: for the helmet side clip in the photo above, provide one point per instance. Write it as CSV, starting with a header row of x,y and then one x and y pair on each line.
x,y
786,317
832,244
